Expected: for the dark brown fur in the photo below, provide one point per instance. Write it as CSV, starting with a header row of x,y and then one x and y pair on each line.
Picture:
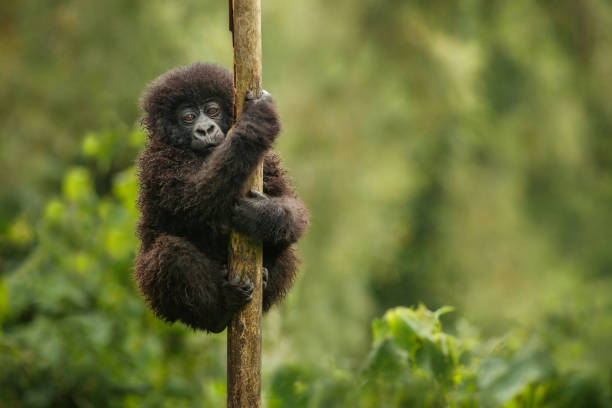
x,y
190,200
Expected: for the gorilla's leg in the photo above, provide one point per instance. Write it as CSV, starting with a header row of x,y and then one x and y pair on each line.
x,y
182,283
282,267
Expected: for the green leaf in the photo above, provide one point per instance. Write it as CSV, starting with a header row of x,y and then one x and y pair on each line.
x,y
503,379
386,359
91,145
77,184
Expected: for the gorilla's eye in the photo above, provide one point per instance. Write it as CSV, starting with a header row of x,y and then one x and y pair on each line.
x,y
211,111
189,117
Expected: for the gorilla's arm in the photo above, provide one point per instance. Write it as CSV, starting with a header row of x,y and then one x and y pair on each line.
x,y
277,217
221,179
208,191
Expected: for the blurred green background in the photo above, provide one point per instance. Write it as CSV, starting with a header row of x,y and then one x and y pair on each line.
x,y
451,153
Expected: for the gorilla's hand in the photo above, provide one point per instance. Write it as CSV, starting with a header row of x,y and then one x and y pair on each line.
x,y
260,116
237,293
257,215
249,213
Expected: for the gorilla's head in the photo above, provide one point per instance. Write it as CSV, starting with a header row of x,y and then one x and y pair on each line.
x,y
190,107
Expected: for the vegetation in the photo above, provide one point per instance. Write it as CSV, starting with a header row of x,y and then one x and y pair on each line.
x,y
451,154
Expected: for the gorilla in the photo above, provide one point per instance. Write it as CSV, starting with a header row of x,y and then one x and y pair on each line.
x,y
192,193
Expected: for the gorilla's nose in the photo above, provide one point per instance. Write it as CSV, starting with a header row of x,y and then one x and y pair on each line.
x,y
205,130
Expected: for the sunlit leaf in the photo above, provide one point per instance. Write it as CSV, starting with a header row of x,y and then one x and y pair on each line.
x,y
77,184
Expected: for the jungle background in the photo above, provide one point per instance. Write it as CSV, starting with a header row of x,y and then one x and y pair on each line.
x,y
451,153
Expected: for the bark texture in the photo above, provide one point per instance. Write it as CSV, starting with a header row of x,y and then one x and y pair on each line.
x,y
244,332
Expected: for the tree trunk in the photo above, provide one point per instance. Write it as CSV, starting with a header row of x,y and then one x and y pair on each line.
x,y
244,331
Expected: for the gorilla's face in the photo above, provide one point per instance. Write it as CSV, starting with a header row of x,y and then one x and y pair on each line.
x,y
190,107
203,126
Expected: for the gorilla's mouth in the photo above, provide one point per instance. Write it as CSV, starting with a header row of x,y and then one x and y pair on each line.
x,y
210,139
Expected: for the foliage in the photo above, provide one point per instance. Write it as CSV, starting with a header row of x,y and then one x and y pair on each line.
x,y
414,363
74,331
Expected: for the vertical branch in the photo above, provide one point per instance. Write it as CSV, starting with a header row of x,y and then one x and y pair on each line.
x,y
244,331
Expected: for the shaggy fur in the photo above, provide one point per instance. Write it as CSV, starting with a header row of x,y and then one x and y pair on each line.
x,y
190,201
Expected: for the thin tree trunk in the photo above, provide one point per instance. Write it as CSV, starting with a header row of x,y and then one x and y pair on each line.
x,y
244,332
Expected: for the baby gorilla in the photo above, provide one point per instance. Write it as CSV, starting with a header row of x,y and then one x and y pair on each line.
x,y
193,178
